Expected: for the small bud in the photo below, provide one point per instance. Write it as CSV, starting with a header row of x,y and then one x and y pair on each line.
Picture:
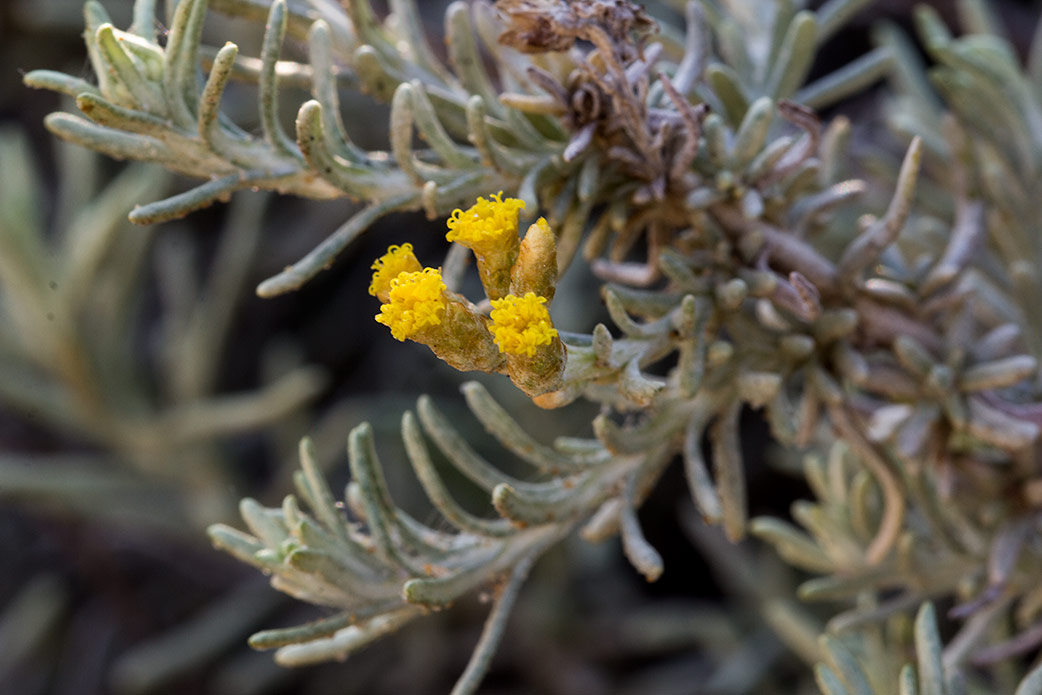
x,y
732,293
536,267
797,347
758,388
719,352
602,345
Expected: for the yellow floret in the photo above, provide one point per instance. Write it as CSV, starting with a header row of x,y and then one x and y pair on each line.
x,y
416,301
485,222
521,324
398,259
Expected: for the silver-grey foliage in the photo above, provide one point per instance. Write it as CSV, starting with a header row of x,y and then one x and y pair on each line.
x,y
71,359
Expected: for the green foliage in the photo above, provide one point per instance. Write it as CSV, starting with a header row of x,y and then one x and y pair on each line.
x,y
893,344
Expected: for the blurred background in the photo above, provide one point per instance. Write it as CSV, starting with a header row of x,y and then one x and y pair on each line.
x,y
145,389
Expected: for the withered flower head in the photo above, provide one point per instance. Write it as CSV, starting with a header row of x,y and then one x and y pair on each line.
x,y
538,26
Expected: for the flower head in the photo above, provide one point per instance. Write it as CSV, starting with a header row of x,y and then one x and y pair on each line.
x,y
521,324
486,223
398,259
416,300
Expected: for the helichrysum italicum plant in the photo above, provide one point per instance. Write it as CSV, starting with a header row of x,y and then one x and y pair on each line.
x,y
892,342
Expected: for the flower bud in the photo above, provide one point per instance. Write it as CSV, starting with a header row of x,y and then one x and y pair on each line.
x,y
535,269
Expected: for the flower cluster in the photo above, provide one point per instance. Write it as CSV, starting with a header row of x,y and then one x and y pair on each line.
x,y
397,260
520,325
489,229
519,277
487,225
416,300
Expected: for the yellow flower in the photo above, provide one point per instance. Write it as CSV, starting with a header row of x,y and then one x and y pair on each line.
x,y
521,324
489,229
486,224
416,300
398,259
